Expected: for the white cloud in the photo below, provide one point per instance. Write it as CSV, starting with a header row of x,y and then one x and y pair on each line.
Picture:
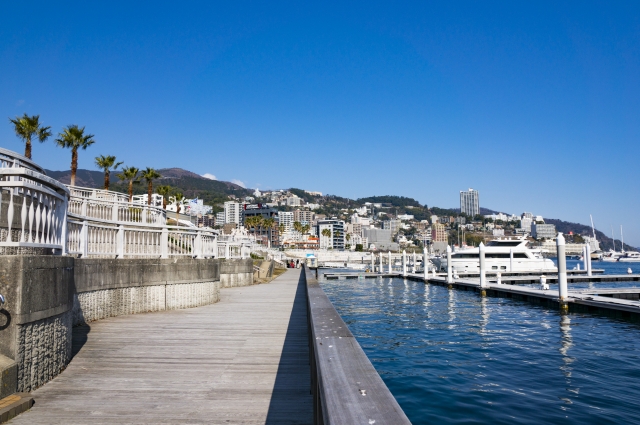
x,y
239,183
209,176
20,102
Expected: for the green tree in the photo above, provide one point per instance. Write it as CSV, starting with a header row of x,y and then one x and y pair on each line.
x,y
281,228
305,229
297,226
164,191
326,232
107,163
149,174
178,198
73,137
27,128
130,175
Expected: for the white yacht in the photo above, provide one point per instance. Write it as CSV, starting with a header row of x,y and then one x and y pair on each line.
x,y
630,257
498,257
612,256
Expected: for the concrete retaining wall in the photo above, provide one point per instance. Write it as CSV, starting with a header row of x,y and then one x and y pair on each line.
x,y
47,295
236,273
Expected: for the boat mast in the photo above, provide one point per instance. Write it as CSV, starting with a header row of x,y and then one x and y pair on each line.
x,y
622,236
613,239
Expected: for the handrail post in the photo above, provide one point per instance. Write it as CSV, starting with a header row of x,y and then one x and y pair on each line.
x,y
114,211
164,243
120,242
83,209
84,239
63,230
216,254
143,211
198,244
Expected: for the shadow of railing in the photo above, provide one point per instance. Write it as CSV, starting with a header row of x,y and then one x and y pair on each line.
x,y
291,401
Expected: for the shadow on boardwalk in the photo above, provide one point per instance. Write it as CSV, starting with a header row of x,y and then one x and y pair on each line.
x,y
294,363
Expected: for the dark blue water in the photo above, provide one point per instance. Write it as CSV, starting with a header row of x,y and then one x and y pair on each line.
x,y
453,356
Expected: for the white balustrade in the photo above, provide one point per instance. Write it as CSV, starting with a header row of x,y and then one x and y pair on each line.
x,y
32,205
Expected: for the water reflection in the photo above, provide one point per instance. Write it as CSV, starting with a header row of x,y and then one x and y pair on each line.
x,y
484,315
451,307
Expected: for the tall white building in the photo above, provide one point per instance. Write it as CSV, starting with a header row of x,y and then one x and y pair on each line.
x,y
232,212
220,219
470,202
285,218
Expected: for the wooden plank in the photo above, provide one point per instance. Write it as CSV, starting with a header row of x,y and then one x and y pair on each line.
x,y
244,360
348,388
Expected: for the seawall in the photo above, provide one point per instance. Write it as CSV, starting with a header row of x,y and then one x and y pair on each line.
x,y
47,295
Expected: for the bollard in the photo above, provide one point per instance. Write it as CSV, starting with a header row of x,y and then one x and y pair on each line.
x,y
413,269
499,278
563,292
587,250
389,262
543,283
511,260
404,263
424,264
483,276
449,267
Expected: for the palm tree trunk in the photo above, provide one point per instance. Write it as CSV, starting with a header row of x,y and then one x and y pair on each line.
x,y
149,192
27,147
106,180
74,164
130,190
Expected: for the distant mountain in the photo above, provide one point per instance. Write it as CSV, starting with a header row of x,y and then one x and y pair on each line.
x,y
190,184
606,242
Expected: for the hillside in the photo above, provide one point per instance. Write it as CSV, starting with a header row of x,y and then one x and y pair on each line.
x,y
213,192
606,242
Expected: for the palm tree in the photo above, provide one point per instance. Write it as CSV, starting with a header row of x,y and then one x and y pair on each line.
x,y
178,198
281,228
107,163
248,222
297,226
326,232
130,174
73,138
305,229
164,191
27,127
149,174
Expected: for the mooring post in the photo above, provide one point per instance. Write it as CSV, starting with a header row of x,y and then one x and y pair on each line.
x,y
584,256
390,262
511,260
381,270
499,278
587,249
373,263
404,263
483,271
424,264
449,267
414,263
563,292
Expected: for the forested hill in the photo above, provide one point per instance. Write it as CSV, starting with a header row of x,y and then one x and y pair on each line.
x,y
606,242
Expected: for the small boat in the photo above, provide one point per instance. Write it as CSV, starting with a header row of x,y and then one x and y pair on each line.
x,y
630,257
612,256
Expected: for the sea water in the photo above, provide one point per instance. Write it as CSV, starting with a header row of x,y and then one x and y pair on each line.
x,y
454,356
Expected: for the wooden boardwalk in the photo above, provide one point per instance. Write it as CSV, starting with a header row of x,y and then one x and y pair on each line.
x,y
244,360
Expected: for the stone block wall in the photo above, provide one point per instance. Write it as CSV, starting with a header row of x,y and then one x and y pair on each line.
x,y
48,295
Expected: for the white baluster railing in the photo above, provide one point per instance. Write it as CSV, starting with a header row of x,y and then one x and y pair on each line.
x,y
32,205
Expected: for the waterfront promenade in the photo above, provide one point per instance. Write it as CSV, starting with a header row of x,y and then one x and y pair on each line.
x,y
244,360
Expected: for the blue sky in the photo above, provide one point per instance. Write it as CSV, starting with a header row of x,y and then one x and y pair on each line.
x,y
536,105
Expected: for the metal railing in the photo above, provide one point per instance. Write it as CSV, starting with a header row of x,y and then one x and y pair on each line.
x,y
32,205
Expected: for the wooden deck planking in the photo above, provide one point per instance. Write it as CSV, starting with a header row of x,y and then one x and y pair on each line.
x,y
244,360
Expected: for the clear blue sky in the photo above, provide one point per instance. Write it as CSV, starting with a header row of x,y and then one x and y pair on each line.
x,y
535,105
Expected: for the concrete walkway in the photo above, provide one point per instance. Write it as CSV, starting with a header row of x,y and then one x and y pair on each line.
x,y
243,360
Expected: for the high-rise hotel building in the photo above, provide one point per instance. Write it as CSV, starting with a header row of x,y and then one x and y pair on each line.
x,y
469,202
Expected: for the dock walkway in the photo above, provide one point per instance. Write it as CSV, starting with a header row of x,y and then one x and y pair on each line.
x,y
244,360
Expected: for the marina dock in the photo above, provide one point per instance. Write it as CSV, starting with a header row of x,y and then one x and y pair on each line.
x,y
619,301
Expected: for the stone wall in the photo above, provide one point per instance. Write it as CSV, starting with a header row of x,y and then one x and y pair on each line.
x,y
47,295
236,273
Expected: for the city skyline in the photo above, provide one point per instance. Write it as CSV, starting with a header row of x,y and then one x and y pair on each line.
x,y
534,106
